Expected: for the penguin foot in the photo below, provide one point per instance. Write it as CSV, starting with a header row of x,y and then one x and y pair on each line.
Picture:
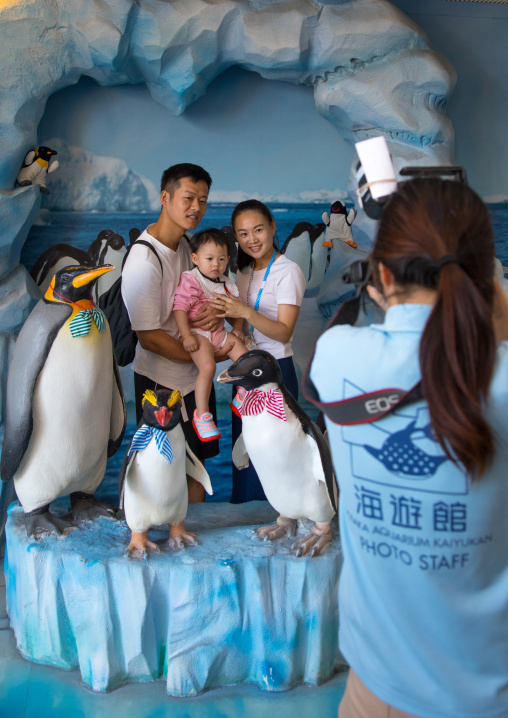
x,y
39,525
313,545
282,527
180,538
44,189
140,546
85,508
24,183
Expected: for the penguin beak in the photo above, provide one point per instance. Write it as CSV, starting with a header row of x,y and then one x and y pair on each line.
x,y
163,416
224,377
87,277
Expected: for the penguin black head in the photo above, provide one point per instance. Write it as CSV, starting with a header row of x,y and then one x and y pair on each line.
x,y
45,153
338,207
161,408
252,370
113,239
73,283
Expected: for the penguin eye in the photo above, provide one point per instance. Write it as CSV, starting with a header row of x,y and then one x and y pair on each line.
x,y
257,372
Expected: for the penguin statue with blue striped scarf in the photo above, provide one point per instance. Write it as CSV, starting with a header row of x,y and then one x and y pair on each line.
x,y
153,478
65,411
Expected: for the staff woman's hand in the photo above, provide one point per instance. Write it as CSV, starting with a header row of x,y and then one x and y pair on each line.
x,y
229,307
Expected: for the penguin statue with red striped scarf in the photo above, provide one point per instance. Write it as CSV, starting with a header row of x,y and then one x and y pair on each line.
x,y
288,451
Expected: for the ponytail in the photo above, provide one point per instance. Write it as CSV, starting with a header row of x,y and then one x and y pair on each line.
x,y
437,234
457,355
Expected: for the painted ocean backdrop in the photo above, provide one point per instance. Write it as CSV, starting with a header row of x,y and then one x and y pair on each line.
x,y
79,229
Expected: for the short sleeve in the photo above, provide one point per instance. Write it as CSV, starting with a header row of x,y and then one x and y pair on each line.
x,y
291,286
188,293
141,290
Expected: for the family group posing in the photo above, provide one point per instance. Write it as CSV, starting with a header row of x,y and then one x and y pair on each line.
x,y
178,296
422,512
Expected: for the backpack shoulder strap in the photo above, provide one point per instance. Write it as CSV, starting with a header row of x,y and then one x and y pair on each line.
x,y
147,244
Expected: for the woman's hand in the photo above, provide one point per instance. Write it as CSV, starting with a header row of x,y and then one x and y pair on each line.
x,y
229,307
190,343
239,334
207,318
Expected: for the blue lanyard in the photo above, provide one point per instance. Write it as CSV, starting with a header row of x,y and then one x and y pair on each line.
x,y
263,284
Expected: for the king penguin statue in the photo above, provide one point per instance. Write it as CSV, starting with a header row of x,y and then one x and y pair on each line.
x,y
288,451
65,410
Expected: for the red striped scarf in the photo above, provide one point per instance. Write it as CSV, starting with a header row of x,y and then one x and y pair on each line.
x,y
256,401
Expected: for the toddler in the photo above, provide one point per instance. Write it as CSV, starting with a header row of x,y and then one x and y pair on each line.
x,y
210,254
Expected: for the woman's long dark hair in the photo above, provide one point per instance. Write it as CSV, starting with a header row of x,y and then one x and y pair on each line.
x,y
249,205
437,233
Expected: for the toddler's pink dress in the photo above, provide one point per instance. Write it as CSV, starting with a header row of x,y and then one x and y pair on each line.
x,y
194,290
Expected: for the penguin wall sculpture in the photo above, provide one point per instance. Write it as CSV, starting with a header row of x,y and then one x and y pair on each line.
x,y
65,410
288,451
36,166
108,248
153,478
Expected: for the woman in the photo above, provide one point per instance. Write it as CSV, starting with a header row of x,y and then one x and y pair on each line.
x,y
271,289
424,492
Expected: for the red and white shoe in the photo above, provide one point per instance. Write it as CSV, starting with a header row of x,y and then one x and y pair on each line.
x,y
237,402
205,427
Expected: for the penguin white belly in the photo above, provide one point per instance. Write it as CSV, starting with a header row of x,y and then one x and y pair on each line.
x,y
115,258
288,465
155,491
71,411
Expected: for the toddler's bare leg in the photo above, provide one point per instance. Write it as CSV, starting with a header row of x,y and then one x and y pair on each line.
x,y
238,349
204,359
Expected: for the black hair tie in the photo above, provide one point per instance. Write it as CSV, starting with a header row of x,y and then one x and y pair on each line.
x,y
447,259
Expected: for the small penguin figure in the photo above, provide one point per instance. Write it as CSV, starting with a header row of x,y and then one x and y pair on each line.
x,y
338,224
65,410
36,165
153,479
108,248
288,451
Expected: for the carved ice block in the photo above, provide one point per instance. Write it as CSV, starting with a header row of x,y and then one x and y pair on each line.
x,y
232,610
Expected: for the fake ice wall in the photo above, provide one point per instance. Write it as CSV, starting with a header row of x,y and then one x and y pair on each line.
x,y
372,70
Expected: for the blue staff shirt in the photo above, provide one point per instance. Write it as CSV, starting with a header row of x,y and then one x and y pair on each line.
x,y
424,587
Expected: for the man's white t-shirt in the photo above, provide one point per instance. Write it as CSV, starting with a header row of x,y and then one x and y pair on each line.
x,y
148,295
285,285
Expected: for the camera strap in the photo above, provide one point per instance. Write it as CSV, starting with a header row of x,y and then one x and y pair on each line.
x,y
366,408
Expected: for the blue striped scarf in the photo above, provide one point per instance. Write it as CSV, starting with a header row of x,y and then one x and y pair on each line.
x,y
142,438
82,322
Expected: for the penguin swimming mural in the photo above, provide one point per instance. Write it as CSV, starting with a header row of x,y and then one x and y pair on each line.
x,y
36,165
288,451
65,412
153,478
108,248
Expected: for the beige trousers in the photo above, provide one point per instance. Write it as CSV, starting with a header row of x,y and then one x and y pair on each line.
x,y
359,702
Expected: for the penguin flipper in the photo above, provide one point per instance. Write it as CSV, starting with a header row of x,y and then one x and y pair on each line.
x,y
240,455
118,413
29,158
195,468
314,432
30,353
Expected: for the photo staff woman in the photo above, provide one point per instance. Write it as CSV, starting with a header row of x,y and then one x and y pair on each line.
x,y
424,492
271,289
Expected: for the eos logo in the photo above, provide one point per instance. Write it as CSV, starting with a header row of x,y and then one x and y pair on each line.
x,y
382,403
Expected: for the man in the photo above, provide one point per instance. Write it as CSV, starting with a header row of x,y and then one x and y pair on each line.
x,y
148,292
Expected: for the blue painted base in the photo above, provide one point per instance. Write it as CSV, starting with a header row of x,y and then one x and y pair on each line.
x,y
232,610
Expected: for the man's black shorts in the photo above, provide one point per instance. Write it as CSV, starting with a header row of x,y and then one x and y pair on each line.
x,y
202,449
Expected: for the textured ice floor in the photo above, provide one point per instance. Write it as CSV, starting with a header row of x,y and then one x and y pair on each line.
x,y
231,610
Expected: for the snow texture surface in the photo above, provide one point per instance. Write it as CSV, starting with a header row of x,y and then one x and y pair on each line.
x,y
232,610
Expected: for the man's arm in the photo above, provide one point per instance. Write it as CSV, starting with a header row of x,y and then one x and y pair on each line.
x,y
158,342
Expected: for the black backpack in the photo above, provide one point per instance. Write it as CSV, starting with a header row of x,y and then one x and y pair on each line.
x,y
111,302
